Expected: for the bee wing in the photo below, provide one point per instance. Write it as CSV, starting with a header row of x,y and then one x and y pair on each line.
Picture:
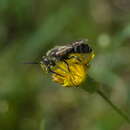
x,y
64,50
59,51
52,51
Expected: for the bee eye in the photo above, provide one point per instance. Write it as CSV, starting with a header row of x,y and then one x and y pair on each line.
x,y
45,60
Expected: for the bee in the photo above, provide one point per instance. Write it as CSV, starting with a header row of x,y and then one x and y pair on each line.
x,y
78,50
68,64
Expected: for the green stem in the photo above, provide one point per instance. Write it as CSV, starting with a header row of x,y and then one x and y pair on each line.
x,y
113,106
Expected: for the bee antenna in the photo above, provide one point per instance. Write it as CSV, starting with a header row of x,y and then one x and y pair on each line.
x,y
31,63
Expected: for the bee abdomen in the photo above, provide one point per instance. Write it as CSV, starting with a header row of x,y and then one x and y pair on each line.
x,y
81,48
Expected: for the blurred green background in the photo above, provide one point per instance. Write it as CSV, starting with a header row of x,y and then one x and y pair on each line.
x,y
29,100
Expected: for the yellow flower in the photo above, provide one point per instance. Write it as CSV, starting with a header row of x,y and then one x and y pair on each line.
x,y
74,71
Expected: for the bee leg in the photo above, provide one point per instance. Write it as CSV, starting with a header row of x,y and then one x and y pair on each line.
x,y
67,65
75,57
50,70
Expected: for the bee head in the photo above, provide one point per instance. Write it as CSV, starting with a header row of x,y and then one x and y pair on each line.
x,y
47,61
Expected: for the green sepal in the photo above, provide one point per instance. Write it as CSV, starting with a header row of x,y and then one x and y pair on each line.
x,y
90,85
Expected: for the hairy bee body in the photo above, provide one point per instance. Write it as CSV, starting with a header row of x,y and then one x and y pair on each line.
x,y
62,52
78,50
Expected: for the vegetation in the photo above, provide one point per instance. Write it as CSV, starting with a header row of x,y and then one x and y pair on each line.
x,y
29,100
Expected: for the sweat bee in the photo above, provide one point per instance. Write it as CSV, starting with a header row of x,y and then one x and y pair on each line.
x,y
79,50
68,64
